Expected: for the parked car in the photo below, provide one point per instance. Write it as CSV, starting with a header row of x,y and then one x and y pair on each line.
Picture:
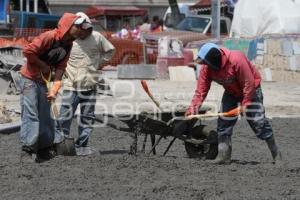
x,y
184,8
192,28
202,24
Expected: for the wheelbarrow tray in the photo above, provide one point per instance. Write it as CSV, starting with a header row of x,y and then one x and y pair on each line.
x,y
200,140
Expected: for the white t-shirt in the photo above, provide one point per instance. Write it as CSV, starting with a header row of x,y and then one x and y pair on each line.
x,y
82,71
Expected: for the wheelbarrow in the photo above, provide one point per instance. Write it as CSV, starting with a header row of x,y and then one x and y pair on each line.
x,y
200,140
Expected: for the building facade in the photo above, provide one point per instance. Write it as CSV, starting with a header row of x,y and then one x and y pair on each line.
x,y
154,7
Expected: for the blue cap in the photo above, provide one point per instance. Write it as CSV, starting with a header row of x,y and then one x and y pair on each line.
x,y
205,49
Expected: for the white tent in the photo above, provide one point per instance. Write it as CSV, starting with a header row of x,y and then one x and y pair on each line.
x,y
258,17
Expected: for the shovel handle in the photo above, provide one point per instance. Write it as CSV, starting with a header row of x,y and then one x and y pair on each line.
x,y
54,110
204,116
155,102
232,113
146,89
46,80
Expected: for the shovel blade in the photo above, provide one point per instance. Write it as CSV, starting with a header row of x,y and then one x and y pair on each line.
x,y
66,147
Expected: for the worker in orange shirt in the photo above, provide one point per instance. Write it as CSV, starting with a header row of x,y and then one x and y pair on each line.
x,y
48,52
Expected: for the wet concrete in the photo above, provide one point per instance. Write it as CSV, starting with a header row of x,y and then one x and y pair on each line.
x,y
113,174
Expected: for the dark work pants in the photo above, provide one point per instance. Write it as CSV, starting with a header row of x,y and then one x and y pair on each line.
x,y
255,115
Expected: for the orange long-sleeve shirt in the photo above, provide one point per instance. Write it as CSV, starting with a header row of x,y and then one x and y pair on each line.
x,y
48,48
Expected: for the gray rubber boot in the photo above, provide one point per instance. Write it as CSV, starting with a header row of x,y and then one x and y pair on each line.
x,y
276,154
224,151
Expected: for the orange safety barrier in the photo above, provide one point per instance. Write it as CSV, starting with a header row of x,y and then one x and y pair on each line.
x,y
128,51
28,32
21,42
21,37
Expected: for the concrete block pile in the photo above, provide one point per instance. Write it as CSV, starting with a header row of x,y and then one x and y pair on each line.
x,y
276,56
281,56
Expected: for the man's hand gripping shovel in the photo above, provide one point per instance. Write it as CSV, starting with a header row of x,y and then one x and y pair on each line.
x,y
67,145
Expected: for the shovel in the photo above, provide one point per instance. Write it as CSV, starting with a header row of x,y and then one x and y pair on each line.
x,y
232,113
67,146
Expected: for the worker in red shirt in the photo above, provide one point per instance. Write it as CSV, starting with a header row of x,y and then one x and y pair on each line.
x,y
48,52
241,82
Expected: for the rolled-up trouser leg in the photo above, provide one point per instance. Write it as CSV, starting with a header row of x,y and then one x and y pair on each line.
x,y
87,117
29,132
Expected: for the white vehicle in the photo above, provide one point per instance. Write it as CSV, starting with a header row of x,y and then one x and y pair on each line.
x,y
184,8
202,24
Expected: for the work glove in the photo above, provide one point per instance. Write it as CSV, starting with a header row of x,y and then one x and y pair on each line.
x,y
52,92
235,112
187,113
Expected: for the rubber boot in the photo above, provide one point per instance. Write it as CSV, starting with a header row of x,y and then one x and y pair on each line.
x,y
224,151
276,154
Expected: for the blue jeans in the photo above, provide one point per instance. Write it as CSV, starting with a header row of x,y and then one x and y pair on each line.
x,y
37,128
255,115
69,104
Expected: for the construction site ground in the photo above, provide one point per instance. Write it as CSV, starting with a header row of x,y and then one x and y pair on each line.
x,y
113,174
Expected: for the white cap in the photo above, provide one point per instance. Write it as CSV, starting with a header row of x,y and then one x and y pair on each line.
x,y
83,20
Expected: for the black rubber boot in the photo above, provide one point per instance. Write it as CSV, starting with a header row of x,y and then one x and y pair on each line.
x,y
276,154
224,151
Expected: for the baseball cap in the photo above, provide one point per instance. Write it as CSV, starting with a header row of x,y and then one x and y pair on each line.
x,y
83,20
204,50
210,54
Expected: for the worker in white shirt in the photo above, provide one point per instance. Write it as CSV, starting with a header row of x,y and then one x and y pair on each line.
x,y
89,52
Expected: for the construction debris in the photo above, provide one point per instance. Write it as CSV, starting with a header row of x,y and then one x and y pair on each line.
x,y
4,114
136,71
182,73
11,60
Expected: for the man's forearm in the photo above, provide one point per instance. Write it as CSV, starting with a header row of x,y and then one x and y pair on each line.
x,y
42,65
106,58
58,74
108,55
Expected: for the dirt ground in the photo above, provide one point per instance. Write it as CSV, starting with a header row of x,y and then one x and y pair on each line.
x,y
113,174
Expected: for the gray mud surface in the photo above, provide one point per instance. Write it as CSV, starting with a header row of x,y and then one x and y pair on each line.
x,y
113,174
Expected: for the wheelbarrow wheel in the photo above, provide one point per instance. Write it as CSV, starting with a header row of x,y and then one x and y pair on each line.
x,y
203,151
